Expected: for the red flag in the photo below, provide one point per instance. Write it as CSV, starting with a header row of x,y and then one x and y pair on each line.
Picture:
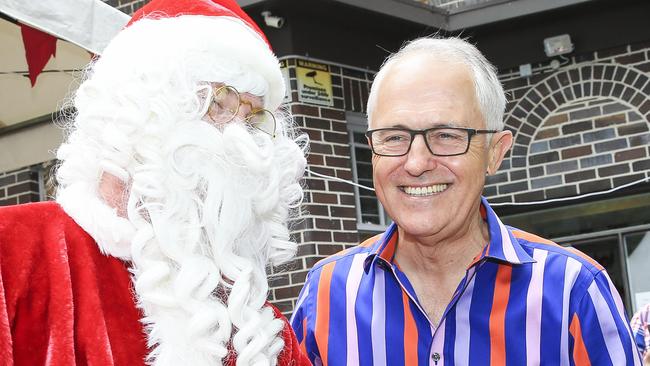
x,y
39,47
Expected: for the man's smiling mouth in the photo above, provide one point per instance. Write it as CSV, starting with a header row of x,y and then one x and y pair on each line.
x,y
423,191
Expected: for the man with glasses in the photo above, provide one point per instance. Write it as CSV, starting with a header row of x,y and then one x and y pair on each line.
x,y
176,185
448,283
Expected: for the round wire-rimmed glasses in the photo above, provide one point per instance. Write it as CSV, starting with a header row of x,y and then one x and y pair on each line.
x,y
441,141
225,104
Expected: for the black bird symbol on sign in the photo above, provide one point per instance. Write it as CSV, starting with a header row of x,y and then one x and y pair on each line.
x,y
312,74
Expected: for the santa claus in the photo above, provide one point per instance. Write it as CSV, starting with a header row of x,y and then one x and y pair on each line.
x,y
176,185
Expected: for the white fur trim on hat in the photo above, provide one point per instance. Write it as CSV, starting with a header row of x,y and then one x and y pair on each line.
x,y
232,39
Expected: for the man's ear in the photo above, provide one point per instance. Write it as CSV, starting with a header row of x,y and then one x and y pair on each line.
x,y
499,146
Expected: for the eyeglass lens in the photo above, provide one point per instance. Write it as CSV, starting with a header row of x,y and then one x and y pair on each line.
x,y
441,141
226,102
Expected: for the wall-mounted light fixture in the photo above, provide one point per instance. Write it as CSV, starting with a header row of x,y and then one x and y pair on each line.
x,y
558,45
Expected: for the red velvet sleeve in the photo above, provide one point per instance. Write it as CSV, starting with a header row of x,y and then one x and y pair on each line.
x,y
291,355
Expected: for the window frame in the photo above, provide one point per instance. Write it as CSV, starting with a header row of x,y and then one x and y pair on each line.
x,y
358,123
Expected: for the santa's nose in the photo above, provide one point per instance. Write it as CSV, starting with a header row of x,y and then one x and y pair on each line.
x,y
244,110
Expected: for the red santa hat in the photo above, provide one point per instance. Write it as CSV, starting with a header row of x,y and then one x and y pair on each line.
x,y
244,42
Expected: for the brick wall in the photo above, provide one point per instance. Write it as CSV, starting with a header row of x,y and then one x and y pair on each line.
x,y
328,224
578,129
126,6
20,186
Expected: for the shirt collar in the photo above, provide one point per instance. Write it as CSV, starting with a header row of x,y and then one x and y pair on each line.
x,y
383,249
503,246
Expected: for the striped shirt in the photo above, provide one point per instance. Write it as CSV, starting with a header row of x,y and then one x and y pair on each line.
x,y
641,328
523,301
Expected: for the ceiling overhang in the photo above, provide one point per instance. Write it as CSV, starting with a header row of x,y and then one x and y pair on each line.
x,y
482,12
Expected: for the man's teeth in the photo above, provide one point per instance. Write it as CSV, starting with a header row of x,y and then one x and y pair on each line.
x,y
425,191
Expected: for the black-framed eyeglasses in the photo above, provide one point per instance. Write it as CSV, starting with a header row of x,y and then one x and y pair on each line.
x,y
225,105
441,141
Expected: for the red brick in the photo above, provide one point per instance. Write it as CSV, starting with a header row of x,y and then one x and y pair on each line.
x,y
308,110
346,237
287,292
278,280
314,135
27,175
342,150
556,120
547,133
619,181
339,126
317,123
315,184
638,153
316,210
595,186
311,261
343,212
299,277
339,138
610,120
332,114
613,170
322,170
333,161
9,201
306,249
576,151
349,224
336,186
9,179
329,249
313,159
24,187
328,224
581,175
344,174
347,199
324,198
632,128
315,235
320,148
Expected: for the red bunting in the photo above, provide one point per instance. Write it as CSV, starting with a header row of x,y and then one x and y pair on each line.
x,y
39,47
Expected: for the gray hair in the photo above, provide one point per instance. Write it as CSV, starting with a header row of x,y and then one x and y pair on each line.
x,y
489,92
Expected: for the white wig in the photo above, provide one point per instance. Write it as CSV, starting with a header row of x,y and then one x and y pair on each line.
x,y
208,209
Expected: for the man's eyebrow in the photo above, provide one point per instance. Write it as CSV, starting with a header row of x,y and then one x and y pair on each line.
x,y
433,125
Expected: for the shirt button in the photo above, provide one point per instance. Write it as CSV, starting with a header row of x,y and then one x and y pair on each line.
x,y
436,357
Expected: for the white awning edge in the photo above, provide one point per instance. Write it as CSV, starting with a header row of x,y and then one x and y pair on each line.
x,y
90,24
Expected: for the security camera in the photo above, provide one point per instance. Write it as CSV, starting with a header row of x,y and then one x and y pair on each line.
x,y
272,21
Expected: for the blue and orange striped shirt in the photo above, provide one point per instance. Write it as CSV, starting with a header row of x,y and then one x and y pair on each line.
x,y
524,301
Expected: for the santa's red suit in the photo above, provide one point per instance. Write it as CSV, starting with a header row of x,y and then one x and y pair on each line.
x,y
63,302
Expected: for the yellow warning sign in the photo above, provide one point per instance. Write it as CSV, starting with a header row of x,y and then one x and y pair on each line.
x,y
314,83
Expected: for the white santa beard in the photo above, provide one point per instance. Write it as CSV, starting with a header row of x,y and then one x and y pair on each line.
x,y
209,208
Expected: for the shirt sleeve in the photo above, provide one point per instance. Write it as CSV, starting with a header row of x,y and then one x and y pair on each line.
x,y
301,319
600,332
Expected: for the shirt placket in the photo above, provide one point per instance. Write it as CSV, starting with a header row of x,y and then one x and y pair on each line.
x,y
436,347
